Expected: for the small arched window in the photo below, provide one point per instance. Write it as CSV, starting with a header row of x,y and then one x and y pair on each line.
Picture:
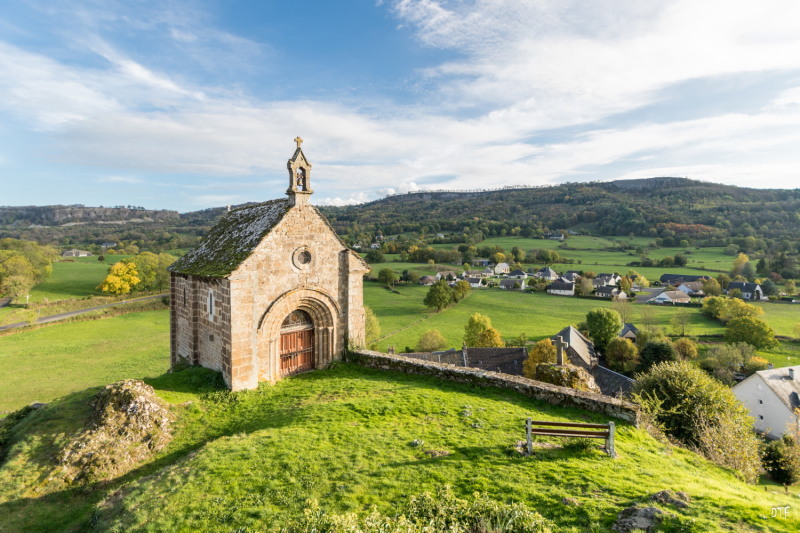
x,y
210,304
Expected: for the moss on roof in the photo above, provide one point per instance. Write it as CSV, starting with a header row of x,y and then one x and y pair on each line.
x,y
231,240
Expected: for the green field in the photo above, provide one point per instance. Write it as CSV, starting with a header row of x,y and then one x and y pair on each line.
x,y
538,315
46,363
251,461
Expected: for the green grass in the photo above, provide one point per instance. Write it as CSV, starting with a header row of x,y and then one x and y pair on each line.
x,y
538,315
783,318
46,363
71,280
251,460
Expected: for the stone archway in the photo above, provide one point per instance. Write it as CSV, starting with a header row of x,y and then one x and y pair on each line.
x,y
324,333
297,344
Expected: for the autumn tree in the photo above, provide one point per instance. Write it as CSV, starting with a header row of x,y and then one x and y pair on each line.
x,y
623,307
461,290
16,286
685,348
542,352
121,279
479,332
622,355
711,287
604,324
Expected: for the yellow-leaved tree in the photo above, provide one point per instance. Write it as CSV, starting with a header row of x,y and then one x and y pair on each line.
x,y
122,278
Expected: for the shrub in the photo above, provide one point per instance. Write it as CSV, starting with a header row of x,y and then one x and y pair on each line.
x,y
751,330
782,460
431,341
604,325
685,348
542,352
622,355
723,360
701,413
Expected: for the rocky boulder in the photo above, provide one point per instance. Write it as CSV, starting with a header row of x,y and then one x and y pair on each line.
x,y
128,424
570,376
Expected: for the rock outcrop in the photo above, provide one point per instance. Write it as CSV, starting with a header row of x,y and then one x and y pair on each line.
x,y
129,423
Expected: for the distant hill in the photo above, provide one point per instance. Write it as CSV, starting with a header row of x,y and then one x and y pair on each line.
x,y
651,207
58,215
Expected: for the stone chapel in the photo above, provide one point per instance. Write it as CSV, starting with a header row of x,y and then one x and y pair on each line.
x,y
270,291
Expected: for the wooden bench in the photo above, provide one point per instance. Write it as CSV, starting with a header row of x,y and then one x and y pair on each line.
x,y
571,429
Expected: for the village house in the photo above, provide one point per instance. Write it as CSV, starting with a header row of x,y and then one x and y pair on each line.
x,y
269,292
572,276
750,291
501,268
675,280
474,283
518,274
773,399
692,288
561,288
427,280
546,273
448,275
605,279
606,291
511,284
76,253
629,331
670,297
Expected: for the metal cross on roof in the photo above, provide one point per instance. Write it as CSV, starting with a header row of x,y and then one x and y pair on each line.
x,y
298,140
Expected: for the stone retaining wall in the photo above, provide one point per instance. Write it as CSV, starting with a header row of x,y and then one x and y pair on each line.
x,y
555,395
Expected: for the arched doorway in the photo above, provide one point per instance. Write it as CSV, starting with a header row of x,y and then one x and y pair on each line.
x,y
297,343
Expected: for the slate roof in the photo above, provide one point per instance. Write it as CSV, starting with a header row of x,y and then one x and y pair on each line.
x,y
605,290
611,383
677,279
583,347
743,286
509,283
561,286
518,272
785,388
232,239
506,360
628,326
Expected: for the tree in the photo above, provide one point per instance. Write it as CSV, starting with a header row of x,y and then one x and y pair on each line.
x,y
121,279
751,330
623,307
711,287
685,348
431,341
749,271
622,355
701,413
147,269
654,352
387,276
680,321
411,276
790,286
738,264
162,274
604,324
585,286
782,460
490,338
647,317
725,360
372,326
542,352
461,290
439,295
476,325
723,280
16,286
374,256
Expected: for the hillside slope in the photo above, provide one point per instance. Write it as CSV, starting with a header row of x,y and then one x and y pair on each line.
x,y
610,208
352,439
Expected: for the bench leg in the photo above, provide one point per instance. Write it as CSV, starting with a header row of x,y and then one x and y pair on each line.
x,y
529,436
610,441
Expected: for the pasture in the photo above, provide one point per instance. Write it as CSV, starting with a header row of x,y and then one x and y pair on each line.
x,y
43,364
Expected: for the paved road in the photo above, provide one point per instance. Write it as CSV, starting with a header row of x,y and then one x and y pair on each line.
x,y
62,316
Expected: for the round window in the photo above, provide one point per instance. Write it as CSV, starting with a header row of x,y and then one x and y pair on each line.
x,y
301,258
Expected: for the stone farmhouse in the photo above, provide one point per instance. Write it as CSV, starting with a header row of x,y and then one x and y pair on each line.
x,y
76,253
271,291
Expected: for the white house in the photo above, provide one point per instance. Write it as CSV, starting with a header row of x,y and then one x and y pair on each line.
x,y
692,288
773,399
518,274
76,253
750,291
561,288
475,283
670,297
547,273
501,268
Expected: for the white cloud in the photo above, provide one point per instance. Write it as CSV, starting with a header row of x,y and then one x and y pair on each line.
x,y
119,179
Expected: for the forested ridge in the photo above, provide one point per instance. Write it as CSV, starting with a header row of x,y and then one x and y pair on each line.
x,y
675,207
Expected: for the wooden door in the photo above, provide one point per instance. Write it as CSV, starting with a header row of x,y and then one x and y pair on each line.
x,y
297,344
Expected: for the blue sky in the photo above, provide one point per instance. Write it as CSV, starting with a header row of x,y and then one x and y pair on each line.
x,y
191,104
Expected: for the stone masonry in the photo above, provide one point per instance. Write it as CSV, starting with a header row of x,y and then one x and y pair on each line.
x,y
260,264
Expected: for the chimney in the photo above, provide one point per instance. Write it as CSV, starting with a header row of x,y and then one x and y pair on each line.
x,y
791,374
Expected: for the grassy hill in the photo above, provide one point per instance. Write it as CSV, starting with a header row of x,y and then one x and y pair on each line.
x,y
345,437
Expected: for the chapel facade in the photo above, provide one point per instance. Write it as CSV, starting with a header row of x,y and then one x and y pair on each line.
x,y
270,291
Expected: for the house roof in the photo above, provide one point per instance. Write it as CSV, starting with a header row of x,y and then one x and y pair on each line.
x,y
611,383
232,239
674,295
628,326
743,286
427,279
674,279
518,272
509,283
562,286
785,388
694,286
605,290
